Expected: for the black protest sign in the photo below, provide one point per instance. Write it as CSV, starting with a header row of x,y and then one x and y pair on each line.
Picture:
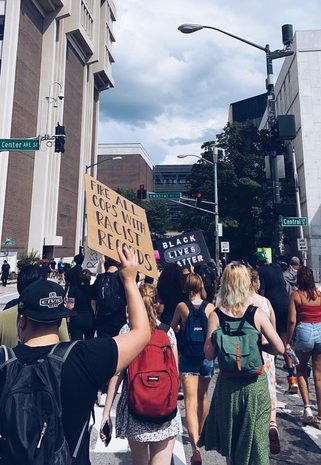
x,y
188,248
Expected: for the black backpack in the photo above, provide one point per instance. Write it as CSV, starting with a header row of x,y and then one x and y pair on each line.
x,y
192,339
110,296
31,430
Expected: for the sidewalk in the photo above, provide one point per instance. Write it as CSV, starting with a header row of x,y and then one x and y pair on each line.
x,y
7,293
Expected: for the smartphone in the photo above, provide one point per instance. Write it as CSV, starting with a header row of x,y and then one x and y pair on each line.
x,y
107,433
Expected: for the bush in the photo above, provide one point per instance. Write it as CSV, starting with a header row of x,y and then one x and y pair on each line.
x,y
25,258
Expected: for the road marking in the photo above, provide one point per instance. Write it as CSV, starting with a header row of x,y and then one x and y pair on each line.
x,y
118,445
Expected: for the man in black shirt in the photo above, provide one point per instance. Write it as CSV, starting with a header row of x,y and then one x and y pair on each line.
x,y
90,363
273,287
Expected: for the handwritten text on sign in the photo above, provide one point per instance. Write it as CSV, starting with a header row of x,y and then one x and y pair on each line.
x,y
115,221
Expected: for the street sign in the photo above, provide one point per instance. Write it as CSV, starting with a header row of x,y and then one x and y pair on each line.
x,y
225,247
294,221
163,195
13,145
220,229
302,244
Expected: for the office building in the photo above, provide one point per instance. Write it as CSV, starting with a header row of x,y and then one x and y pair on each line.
x,y
298,92
56,58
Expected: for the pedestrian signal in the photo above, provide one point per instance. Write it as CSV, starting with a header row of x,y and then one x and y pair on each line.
x,y
60,139
141,192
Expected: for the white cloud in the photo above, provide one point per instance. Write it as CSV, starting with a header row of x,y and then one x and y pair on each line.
x,y
173,90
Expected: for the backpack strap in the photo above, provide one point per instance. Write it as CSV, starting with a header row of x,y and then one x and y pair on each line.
x,y
7,356
61,351
250,309
163,327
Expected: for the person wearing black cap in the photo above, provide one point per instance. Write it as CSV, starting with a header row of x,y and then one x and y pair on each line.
x,y
90,363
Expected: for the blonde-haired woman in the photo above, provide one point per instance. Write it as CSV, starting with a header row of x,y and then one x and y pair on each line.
x,y
269,365
150,443
237,425
195,371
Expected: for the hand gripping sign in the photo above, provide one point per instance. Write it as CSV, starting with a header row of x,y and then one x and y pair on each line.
x,y
115,221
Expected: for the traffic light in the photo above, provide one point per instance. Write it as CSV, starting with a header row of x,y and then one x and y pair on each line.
x,y
141,193
60,139
198,198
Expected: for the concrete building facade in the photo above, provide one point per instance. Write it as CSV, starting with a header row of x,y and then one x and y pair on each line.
x,y
56,58
298,92
134,166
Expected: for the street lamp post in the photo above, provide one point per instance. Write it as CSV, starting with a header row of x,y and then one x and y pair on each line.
x,y
214,164
287,36
84,212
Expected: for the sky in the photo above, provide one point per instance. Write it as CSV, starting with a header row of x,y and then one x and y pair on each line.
x,y
172,90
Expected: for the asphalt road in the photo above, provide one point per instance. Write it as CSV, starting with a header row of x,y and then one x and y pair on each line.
x,y
299,445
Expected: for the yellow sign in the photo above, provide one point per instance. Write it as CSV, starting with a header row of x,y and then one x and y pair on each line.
x,y
115,221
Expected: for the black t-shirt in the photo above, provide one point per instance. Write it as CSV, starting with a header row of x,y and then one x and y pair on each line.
x,y
89,366
274,286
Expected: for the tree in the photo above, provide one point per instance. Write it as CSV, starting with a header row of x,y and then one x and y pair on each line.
x,y
245,196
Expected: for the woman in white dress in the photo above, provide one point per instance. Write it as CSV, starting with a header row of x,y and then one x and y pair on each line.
x,y
269,364
150,443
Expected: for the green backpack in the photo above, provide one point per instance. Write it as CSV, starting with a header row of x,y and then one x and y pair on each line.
x,y
238,351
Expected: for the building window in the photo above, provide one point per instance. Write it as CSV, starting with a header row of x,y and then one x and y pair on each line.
x,y
1,26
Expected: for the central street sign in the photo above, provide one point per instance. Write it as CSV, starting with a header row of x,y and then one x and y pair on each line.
x,y
13,145
163,195
294,221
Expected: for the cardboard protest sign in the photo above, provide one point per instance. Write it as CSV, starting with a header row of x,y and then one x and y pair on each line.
x,y
115,221
91,260
188,248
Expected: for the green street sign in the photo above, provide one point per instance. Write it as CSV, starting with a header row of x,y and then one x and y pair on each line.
x,y
163,195
294,221
13,145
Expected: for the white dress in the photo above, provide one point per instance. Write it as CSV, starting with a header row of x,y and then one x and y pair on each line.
x,y
128,427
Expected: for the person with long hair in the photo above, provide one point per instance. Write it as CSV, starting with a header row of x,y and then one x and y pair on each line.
x,y
269,365
195,371
170,290
237,425
150,443
305,312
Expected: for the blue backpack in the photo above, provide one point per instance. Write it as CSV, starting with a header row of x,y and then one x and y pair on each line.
x,y
193,337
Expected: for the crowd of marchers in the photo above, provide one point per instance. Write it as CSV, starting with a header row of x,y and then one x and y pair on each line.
x,y
70,344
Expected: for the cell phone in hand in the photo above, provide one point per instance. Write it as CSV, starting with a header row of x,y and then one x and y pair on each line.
x,y
107,433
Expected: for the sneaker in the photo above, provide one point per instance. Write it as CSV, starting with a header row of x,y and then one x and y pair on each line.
x,y
316,422
101,400
274,439
293,385
307,417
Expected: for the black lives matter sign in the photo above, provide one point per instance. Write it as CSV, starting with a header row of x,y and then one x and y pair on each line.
x,y
188,248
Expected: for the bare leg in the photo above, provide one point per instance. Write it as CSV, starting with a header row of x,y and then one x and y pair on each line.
x,y
301,374
202,401
139,452
190,387
316,365
161,452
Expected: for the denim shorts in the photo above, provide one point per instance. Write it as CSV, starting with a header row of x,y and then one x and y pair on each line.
x,y
188,366
308,337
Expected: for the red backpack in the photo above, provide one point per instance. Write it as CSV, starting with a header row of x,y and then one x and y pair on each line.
x,y
153,380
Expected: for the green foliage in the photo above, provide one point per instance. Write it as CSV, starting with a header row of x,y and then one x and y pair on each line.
x,y
25,258
244,193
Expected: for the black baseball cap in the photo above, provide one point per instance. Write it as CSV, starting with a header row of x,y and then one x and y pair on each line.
x,y
43,301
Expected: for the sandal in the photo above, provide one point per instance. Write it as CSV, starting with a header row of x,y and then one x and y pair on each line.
x,y
274,439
